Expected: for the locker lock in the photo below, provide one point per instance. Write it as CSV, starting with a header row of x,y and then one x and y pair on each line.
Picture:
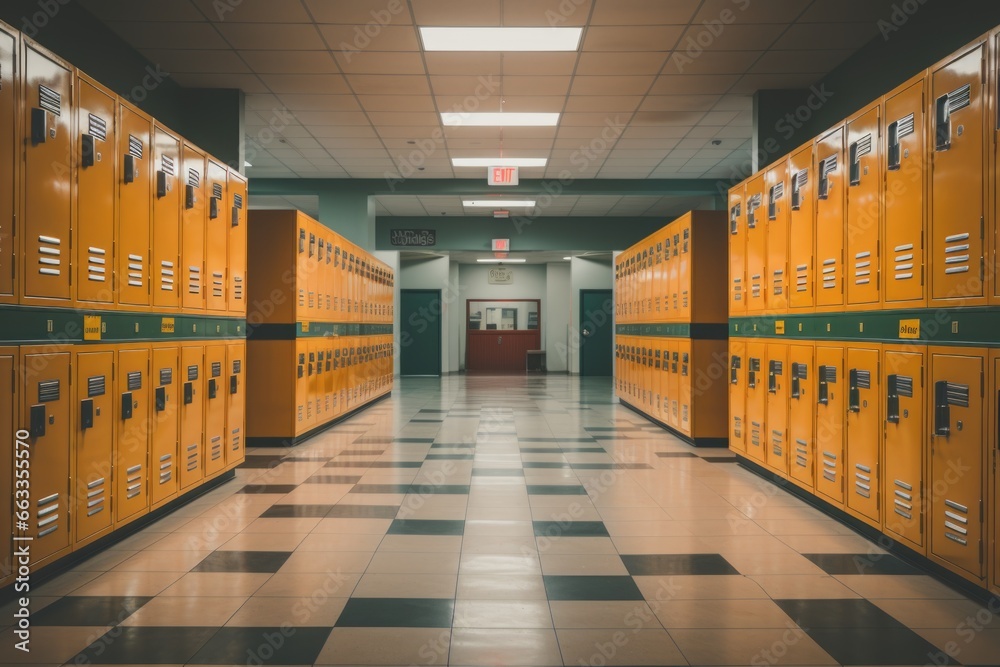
x,y
213,388
38,420
161,399
86,414
188,393
127,406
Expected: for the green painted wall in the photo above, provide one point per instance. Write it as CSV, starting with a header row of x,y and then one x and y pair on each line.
x,y
351,214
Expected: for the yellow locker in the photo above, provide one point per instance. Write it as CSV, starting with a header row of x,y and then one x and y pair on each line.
x,y
905,201
684,270
165,250
192,415
236,403
216,237
649,290
164,438
93,445
131,492
864,433
46,412
660,367
322,416
659,279
684,380
93,246
737,395
903,480
830,407
864,208
329,379
237,244
830,198
49,157
994,448
328,281
303,406
135,191
315,381
777,445
801,411
215,408
645,373
674,378
321,283
673,275
10,156
302,271
737,253
756,217
8,410
192,278
958,168
756,401
956,466
777,193
801,229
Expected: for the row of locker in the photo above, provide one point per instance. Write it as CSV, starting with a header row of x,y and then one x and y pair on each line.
x,y
300,385
895,207
102,434
679,382
672,275
901,437
306,272
112,209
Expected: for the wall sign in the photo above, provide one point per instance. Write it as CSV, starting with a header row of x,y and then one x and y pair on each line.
x,y
413,237
501,275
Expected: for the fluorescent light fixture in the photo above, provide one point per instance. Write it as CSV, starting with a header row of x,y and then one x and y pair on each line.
x,y
501,39
499,161
567,258
501,261
246,163
499,203
491,119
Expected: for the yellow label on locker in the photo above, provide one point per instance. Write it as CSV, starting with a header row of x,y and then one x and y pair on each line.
x,y
92,327
909,328
167,325
779,327
305,327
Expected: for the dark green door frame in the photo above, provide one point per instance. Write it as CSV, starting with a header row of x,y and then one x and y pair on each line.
x,y
597,346
420,332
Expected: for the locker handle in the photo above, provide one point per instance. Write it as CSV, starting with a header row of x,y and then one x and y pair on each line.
x,y
213,388
772,383
892,399
189,197
131,170
854,401
942,411
942,129
234,384
188,393
127,406
894,153
88,151
86,414
213,208
161,399
161,184
39,123
37,421
752,380
796,387
823,391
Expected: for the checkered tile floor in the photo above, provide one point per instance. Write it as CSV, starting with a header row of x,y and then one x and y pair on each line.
x,y
499,521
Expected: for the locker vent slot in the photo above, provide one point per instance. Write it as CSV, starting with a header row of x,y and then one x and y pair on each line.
x,y
799,181
168,165
897,130
166,376
96,386
134,381
753,203
777,192
238,366
216,369
98,127
956,522
96,264
135,147
192,372
135,265
50,100
945,106
49,255
957,394
238,201
217,191
48,391
826,167
194,178
859,149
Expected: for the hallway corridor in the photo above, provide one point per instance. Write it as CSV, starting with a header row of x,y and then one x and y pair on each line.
x,y
499,521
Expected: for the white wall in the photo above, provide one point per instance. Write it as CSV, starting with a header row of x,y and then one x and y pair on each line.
x,y
584,274
456,320
556,309
431,273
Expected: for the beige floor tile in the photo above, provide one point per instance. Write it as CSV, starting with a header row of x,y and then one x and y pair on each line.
x,y
769,563
306,585
750,647
830,544
49,645
499,514
478,646
967,646
128,584
646,528
582,512
216,524
406,586
386,646
619,647
745,614
575,545
603,614
339,542
353,526
933,614
899,586
162,561
386,499
663,545
432,513
803,587
811,527
501,587
663,589
208,612
498,544
422,543
399,562
747,543
208,584
289,525
636,514
64,584
263,542
694,513
525,563
191,542
502,614
317,494
481,528
582,564
326,561
138,542
269,612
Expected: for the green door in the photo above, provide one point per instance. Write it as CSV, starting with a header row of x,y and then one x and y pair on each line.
x,y
596,332
420,317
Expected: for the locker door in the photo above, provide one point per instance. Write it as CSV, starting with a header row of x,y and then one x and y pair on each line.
x,y
756,217
167,394
192,413
776,194
10,157
302,271
312,370
49,150
864,190
328,281
320,276
995,453
737,253
236,403
659,382
756,405
956,461
905,215
684,378
649,293
329,386
93,444
135,192
237,244
658,280
801,229
802,452
830,196
737,395
216,237
684,272
674,378
903,480
193,230
132,441
45,410
165,251
864,433
8,410
302,421
215,408
777,446
830,406
673,275
95,195
956,187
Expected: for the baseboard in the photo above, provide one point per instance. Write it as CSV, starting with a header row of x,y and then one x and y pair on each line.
x,y
299,439
694,442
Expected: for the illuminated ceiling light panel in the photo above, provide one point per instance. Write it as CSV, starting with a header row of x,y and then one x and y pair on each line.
x,y
499,161
501,39
490,119
495,203
501,261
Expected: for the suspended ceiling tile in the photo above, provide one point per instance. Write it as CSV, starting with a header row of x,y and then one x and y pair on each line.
x,y
736,133
732,38
637,163
644,155
352,39
643,12
272,36
779,62
539,64
679,102
734,103
192,60
660,132
381,62
349,132
289,62
466,86
248,83
611,85
532,103
753,82
667,118
456,12
318,118
459,63
613,64
602,103
556,13
659,145
710,62
306,84
749,11
402,118
535,85
263,102
252,11
314,155
299,103
169,35
694,85
384,84
823,36
372,13
396,103
307,146
408,132
632,38
848,10
127,10
719,117
469,103
704,131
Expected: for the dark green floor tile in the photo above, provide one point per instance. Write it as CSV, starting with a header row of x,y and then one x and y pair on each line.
x,y
243,561
363,512
543,465
440,489
134,646
450,457
677,564
570,529
556,490
591,588
878,646
611,466
276,489
87,610
263,646
397,613
320,478
380,488
861,564
426,527
296,511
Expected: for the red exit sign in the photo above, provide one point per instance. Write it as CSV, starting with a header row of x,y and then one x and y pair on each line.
x,y
501,245
503,176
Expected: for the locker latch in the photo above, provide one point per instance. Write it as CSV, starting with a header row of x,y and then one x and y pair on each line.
x,y
126,406
213,388
827,376
161,184
774,370
734,367
213,208
234,383
88,151
188,393
37,419
892,399
86,414
42,126
752,373
189,197
131,169
799,372
161,399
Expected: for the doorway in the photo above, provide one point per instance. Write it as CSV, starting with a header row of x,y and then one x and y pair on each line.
x,y
420,315
596,332
499,333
